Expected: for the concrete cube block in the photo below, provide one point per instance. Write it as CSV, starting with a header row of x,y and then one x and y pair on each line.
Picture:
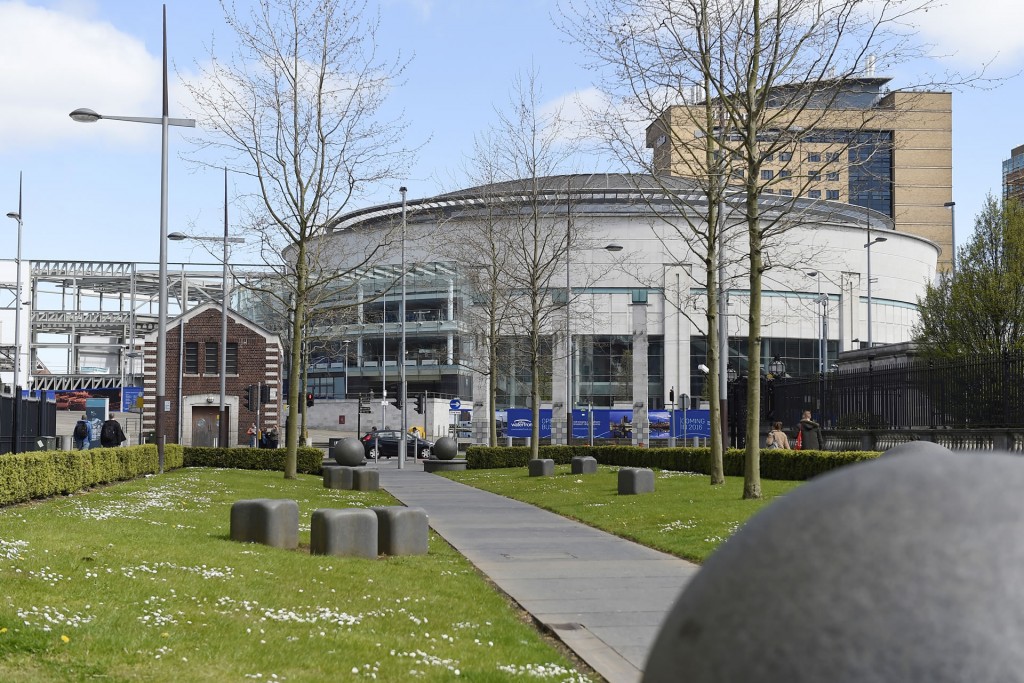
x,y
633,480
270,521
401,530
338,477
584,464
350,532
542,467
365,480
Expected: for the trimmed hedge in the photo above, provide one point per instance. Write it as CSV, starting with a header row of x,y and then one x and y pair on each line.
x,y
775,463
307,459
42,474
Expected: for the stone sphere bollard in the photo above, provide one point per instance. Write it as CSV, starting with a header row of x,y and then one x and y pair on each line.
x,y
898,569
445,448
348,452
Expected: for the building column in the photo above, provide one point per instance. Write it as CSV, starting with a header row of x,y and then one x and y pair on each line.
x,y
641,404
559,383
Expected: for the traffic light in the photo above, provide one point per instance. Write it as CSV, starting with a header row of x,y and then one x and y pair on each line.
x,y
398,401
419,403
250,397
264,393
309,398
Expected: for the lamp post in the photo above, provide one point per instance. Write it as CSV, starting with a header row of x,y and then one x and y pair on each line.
x,y
877,240
569,350
952,233
225,298
401,352
89,116
15,428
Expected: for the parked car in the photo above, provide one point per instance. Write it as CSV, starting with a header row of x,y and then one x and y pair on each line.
x,y
387,442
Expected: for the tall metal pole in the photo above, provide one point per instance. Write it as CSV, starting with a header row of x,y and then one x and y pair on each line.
x,y
568,309
15,426
161,334
723,331
222,437
868,246
952,230
404,395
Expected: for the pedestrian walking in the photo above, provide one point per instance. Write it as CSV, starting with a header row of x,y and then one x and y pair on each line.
x,y
777,438
111,434
82,434
252,435
809,435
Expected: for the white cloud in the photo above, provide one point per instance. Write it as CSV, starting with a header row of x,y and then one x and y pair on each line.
x,y
54,62
975,31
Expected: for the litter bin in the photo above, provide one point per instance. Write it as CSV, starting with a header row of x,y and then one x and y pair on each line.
x,y
332,441
49,443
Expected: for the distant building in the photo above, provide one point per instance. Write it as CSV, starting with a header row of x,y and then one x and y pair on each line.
x,y
886,151
1013,175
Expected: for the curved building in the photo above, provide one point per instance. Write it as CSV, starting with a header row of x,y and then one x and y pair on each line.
x,y
635,277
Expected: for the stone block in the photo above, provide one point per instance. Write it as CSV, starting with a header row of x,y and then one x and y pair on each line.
x,y
338,477
542,467
365,479
350,532
584,464
634,480
444,465
270,521
402,530
897,569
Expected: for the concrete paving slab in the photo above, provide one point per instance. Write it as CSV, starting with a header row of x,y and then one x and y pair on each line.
x,y
603,596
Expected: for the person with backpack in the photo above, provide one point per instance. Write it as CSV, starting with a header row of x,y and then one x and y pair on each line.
x,y
111,434
777,438
82,434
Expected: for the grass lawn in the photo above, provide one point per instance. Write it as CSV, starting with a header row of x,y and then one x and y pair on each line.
x,y
685,516
139,582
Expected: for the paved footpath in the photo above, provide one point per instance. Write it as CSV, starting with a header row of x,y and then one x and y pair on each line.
x,y
603,596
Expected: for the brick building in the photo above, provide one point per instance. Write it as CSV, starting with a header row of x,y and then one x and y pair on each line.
x,y
192,379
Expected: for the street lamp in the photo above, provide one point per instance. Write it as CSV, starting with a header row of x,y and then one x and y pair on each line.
x,y
89,116
403,385
15,428
822,329
952,233
877,240
225,441
569,350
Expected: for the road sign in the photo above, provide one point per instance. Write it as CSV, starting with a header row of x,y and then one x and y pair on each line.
x,y
454,404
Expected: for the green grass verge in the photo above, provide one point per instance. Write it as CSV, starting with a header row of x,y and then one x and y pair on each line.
x,y
140,582
685,516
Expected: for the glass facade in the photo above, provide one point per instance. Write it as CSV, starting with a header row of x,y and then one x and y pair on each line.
x,y
799,355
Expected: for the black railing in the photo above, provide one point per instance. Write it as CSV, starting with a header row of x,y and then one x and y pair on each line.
x,y
980,392
37,419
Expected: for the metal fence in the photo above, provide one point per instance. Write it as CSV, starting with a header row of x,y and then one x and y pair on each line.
x,y
37,424
973,393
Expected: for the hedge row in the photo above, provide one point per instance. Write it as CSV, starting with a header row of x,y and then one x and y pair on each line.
x,y
775,463
41,474
307,460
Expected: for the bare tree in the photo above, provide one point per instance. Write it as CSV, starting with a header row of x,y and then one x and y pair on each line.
x,y
734,84
298,109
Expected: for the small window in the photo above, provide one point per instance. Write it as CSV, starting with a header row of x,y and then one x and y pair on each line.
x,y
814,175
786,193
785,156
814,156
831,156
814,194
832,175
767,174
639,296
785,173
231,362
738,173
831,194
768,158
211,358
191,358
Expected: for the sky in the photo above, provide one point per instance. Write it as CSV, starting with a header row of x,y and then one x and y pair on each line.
x,y
91,192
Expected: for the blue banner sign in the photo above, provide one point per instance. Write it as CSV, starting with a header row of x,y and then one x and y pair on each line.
x,y
613,424
128,397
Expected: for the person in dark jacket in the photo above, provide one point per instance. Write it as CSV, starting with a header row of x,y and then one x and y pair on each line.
x,y
111,434
811,438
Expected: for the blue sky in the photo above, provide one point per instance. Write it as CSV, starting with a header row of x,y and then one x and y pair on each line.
x,y
92,191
